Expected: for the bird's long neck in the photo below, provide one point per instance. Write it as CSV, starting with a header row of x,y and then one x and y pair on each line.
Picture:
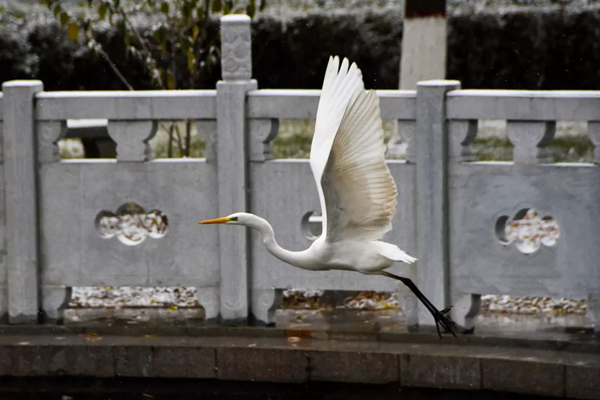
x,y
290,257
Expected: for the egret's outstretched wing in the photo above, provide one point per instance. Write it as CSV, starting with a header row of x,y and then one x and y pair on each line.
x,y
359,191
340,87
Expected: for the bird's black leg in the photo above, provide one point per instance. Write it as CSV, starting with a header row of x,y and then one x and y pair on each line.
x,y
439,316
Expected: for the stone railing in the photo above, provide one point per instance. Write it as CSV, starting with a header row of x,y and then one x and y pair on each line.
x,y
61,223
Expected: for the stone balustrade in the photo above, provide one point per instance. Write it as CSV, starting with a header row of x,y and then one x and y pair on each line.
x,y
452,212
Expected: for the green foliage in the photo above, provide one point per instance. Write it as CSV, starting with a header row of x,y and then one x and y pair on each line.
x,y
182,29
294,139
528,49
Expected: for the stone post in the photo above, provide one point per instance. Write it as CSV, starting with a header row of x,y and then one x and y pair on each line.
x,y
3,273
432,196
236,62
21,200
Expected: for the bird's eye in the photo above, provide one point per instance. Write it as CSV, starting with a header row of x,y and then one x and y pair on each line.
x,y
234,218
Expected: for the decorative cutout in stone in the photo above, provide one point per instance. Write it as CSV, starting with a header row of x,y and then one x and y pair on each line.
x,y
131,224
312,225
528,230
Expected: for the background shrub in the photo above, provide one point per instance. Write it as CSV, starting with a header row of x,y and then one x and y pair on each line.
x,y
548,48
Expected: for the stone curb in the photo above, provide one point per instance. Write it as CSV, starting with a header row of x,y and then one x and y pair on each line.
x,y
425,365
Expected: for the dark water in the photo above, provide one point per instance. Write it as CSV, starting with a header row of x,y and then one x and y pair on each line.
x,y
188,389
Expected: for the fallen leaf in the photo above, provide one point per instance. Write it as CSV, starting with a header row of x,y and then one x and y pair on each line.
x,y
92,336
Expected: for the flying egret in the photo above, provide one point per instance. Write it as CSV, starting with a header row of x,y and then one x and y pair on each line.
x,y
356,190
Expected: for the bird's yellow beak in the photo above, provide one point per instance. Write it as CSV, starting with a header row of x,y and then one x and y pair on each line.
x,y
216,221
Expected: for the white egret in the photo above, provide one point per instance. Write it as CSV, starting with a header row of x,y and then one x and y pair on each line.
x,y
356,190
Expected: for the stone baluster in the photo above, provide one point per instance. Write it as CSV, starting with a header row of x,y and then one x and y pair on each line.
x,y
132,139
48,135
264,304
209,299
594,136
530,139
407,130
236,63
3,288
262,133
461,135
207,129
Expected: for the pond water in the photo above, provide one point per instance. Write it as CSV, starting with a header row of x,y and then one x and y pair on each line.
x,y
186,389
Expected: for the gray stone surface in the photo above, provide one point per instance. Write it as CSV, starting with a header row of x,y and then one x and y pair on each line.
x,y
594,135
524,105
530,140
24,359
353,367
431,194
133,361
21,200
132,138
183,362
302,104
73,194
523,376
417,370
480,193
127,105
583,382
273,365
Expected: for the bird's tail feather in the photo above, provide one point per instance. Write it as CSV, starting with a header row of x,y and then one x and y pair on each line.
x,y
394,252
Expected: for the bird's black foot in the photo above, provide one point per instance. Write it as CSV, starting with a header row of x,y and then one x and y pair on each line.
x,y
446,310
441,320
446,323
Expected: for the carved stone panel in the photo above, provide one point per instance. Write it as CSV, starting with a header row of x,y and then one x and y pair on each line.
x,y
236,53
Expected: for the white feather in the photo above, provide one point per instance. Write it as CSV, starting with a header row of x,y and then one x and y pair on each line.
x,y
340,86
356,190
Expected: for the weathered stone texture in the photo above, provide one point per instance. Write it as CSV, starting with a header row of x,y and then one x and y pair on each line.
x,y
521,376
418,370
353,367
583,382
267,365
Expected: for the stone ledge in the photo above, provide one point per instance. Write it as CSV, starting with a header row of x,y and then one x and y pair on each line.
x,y
571,343
277,359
